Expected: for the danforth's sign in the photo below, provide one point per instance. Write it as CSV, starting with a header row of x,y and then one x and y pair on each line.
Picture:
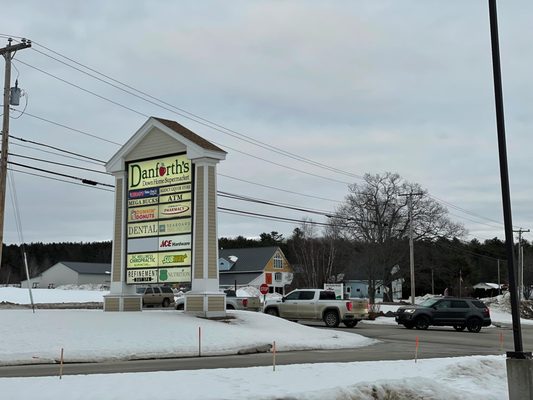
x,y
159,220
158,172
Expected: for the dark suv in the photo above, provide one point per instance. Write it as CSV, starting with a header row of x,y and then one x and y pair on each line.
x,y
460,313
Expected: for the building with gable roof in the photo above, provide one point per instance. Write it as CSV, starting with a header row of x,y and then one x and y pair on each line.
x,y
71,273
253,267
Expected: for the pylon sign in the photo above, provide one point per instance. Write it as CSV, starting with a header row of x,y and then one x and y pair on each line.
x,y
159,220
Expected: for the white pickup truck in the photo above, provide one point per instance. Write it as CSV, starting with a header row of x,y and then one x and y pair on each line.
x,y
319,305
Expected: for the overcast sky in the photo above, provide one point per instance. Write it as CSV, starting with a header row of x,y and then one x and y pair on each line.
x,y
361,86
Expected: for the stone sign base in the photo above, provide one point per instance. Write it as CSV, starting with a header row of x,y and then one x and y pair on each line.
x,y
123,302
206,304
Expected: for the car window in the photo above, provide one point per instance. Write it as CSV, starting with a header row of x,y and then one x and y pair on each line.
x,y
444,304
307,295
429,302
166,289
327,295
293,296
149,291
479,304
459,304
156,290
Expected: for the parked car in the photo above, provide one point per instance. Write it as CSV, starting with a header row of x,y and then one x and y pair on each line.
x,y
460,313
319,305
157,295
232,302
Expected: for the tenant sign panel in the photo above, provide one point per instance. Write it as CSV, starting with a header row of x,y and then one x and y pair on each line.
x,y
159,220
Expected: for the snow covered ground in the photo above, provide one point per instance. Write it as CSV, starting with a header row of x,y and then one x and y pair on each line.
x,y
92,335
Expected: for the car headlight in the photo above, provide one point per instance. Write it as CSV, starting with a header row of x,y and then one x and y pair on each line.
x,y
409,311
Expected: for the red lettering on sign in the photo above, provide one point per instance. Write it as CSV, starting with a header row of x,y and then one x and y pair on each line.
x,y
166,243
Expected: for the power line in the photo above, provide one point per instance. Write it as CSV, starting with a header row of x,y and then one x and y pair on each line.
x,y
464,210
199,120
278,189
72,129
60,164
191,116
56,154
284,166
277,218
83,89
61,180
449,246
56,148
87,181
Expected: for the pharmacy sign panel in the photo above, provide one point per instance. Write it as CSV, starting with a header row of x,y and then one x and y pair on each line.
x,y
159,220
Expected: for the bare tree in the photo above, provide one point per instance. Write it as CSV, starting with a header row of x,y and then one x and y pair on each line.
x,y
315,255
375,216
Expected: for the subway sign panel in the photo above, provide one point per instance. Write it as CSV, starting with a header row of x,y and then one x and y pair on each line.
x,y
159,220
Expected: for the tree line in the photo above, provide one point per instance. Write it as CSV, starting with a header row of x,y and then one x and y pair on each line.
x,y
318,259
366,238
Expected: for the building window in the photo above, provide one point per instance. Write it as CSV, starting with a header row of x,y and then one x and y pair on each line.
x,y
277,276
278,261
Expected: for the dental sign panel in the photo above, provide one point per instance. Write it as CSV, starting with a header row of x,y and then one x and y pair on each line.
x,y
159,220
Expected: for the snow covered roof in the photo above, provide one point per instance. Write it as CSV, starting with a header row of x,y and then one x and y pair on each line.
x,y
486,285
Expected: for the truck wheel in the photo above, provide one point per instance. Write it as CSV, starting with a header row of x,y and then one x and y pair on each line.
x,y
166,302
422,323
180,306
272,311
331,318
351,323
229,307
408,325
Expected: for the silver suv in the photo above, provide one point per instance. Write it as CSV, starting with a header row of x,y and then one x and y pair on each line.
x,y
460,313
156,295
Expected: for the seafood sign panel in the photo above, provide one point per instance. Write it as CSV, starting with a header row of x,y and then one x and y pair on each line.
x,y
159,220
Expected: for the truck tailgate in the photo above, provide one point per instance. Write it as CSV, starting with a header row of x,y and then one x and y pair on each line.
x,y
360,307
254,304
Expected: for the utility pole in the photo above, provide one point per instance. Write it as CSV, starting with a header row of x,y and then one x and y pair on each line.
x,y
432,282
411,246
8,52
499,284
520,283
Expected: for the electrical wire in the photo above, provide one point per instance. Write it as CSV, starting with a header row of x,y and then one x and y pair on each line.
x,y
88,181
73,129
278,189
61,180
18,223
213,125
56,148
60,164
55,154
84,90
251,214
186,114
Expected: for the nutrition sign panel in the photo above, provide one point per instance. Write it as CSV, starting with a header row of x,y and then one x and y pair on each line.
x,y
159,220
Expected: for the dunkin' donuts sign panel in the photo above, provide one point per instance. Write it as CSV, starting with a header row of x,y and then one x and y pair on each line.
x,y
159,220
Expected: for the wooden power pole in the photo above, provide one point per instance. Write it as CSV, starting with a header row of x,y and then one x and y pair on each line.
x,y
411,245
8,52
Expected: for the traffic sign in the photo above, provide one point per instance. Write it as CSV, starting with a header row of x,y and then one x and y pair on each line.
x,y
263,288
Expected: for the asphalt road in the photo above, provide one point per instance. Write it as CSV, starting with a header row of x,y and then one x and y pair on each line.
x,y
396,343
